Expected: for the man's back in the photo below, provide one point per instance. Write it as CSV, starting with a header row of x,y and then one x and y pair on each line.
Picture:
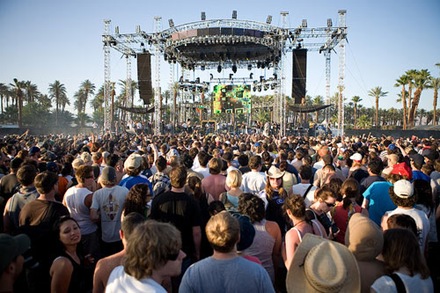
x,y
230,275
182,211
103,269
253,182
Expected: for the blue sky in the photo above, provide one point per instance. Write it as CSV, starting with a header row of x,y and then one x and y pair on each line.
x,y
47,40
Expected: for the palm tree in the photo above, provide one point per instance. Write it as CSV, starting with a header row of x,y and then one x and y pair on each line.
x,y
435,84
57,92
88,88
31,91
356,100
175,111
377,93
19,96
5,93
403,81
421,81
79,101
318,101
97,102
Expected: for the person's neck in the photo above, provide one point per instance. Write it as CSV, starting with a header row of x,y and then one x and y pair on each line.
x,y
225,255
6,283
48,196
178,190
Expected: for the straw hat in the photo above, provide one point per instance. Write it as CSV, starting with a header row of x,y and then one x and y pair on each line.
x,y
321,265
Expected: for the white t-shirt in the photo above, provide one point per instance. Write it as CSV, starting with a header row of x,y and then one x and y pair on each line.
x,y
301,189
422,223
412,284
110,201
121,282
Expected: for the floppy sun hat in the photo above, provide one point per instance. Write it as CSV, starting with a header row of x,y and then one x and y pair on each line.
x,y
321,265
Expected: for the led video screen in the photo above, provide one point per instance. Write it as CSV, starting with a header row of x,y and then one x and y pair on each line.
x,y
231,98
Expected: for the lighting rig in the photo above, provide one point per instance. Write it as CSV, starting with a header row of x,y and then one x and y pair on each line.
x,y
193,86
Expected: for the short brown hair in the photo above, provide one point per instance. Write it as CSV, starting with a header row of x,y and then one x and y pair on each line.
x,y
215,165
178,176
45,181
83,172
296,205
160,240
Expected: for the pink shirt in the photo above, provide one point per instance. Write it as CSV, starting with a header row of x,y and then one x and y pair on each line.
x,y
214,185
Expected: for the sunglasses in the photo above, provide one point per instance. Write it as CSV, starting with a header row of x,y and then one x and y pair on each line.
x,y
330,205
173,256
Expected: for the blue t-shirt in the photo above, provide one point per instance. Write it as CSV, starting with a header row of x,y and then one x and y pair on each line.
x,y
379,200
231,275
130,181
419,175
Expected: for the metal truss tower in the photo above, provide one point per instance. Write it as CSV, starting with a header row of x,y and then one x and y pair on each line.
x,y
128,93
341,85
281,97
107,85
157,92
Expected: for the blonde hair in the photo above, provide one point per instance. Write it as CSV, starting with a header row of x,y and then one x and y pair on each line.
x,y
234,178
150,247
223,232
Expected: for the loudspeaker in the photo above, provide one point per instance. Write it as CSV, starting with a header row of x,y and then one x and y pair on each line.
x,y
144,77
299,74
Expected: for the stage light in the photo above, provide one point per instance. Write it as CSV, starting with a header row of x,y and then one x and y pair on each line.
x,y
251,76
171,22
203,15
219,68
329,22
304,23
234,68
202,67
275,76
261,78
234,14
211,76
269,19
230,76
249,66
117,30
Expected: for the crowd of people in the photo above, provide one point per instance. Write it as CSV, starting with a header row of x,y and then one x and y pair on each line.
x,y
137,212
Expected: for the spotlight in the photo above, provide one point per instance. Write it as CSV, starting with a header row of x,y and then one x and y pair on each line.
x,y
304,23
219,68
203,15
171,22
269,19
211,76
275,76
329,22
234,68
202,67
249,66
230,76
234,14
251,76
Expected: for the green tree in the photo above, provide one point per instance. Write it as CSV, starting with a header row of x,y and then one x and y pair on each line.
x,y
5,94
37,115
58,93
435,84
377,93
421,81
19,97
356,100
32,92
87,88
402,82
317,101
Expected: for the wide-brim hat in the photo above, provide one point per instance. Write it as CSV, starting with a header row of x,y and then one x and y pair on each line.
x,y
321,265
274,172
